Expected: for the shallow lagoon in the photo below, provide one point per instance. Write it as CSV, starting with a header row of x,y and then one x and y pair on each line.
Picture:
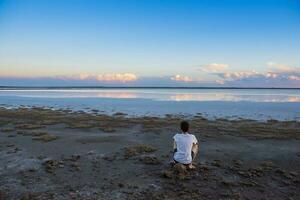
x,y
261,104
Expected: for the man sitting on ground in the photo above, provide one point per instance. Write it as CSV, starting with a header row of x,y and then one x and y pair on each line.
x,y
185,146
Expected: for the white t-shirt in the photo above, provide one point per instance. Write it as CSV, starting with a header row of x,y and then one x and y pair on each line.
x,y
184,144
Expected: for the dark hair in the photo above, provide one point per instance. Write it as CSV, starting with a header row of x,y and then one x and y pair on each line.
x,y
184,125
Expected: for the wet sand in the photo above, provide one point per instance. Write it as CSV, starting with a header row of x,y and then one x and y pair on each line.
x,y
47,154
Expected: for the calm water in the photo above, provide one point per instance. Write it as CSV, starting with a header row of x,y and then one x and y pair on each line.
x,y
260,104
252,95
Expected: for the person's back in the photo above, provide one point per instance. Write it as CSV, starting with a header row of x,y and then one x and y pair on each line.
x,y
185,146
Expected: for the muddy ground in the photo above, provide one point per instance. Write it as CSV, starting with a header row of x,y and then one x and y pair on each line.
x,y
47,154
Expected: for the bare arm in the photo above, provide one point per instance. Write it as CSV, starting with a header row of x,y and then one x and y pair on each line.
x,y
195,149
174,146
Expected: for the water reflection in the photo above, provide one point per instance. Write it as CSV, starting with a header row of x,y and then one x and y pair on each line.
x,y
122,95
234,97
294,99
267,95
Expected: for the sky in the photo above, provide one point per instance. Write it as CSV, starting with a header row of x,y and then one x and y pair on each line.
x,y
239,43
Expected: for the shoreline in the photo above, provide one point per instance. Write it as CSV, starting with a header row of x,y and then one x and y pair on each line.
x,y
224,125
262,111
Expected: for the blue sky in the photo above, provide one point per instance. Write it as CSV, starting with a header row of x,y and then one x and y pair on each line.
x,y
150,42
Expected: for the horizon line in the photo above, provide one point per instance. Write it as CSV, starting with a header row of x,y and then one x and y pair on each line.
x,y
135,87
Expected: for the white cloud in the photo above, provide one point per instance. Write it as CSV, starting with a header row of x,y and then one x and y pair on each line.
x,y
281,68
84,76
271,75
126,77
214,67
294,78
220,82
238,75
181,78
117,77
278,74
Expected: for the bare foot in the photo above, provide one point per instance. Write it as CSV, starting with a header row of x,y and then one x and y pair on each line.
x,y
191,166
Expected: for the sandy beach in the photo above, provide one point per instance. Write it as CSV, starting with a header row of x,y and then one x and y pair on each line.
x,y
62,154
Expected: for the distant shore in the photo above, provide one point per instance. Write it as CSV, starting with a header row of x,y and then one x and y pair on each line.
x,y
139,87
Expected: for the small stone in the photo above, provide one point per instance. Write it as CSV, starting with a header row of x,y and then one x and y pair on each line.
x,y
237,163
90,152
294,173
109,158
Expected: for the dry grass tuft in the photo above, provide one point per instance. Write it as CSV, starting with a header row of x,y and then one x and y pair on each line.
x,y
108,129
46,138
30,126
138,149
178,171
50,122
150,160
81,125
32,133
7,130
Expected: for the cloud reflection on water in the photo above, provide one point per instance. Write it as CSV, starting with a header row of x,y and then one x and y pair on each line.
x,y
164,94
